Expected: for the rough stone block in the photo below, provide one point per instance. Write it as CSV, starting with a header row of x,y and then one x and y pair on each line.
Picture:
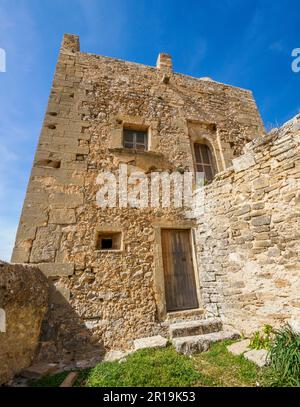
x,y
261,182
63,200
45,244
62,216
191,328
243,163
295,325
114,355
57,269
239,348
38,370
257,356
150,342
201,343
261,220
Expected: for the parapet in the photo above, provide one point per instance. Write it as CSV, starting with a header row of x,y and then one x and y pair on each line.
x,y
70,42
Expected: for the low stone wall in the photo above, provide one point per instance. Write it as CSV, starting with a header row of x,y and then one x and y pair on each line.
x,y
23,305
248,236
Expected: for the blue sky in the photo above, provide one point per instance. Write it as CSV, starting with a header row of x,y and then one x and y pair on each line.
x,y
247,43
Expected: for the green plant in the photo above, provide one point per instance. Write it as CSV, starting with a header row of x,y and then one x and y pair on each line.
x,y
262,340
284,355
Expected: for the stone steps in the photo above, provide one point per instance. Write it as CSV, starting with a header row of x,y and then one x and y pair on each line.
x,y
201,343
182,316
193,328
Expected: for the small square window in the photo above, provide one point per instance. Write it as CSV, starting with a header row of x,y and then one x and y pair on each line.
x,y
134,139
106,243
109,241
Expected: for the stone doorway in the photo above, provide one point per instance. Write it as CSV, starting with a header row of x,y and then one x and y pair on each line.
x,y
179,273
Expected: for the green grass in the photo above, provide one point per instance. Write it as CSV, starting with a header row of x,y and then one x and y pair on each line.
x,y
165,367
285,357
223,369
49,381
149,367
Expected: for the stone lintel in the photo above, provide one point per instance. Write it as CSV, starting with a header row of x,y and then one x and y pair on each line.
x,y
57,269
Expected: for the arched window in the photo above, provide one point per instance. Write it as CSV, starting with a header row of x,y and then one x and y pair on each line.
x,y
204,160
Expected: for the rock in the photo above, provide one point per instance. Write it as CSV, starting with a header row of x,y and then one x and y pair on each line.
x,y
257,356
192,328
295,325
62,216
150,342
39,369
201,343
261,220
239,348
69,380
114,355
243,163
261,182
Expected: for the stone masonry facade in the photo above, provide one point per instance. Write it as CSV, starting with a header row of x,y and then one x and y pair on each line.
x,y
24,294
246,242
248,239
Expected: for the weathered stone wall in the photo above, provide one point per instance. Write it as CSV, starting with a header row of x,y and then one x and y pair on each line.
x,y
24,299
248,237
113,294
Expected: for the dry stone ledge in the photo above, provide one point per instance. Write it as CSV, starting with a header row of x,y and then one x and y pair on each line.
x,y
192,328
56,269
150,342
239,348
257,356
201,343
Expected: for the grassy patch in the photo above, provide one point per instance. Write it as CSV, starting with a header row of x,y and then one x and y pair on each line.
x,y
49,381
165,367
149,367
223,369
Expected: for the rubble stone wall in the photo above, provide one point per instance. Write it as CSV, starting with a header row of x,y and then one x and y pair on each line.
x,y
248,238
23,304
110,298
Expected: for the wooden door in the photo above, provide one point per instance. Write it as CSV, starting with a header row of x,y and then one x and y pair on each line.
x,y
180,283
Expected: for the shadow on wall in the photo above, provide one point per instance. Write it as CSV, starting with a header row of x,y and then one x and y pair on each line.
x,y
64,337
31,332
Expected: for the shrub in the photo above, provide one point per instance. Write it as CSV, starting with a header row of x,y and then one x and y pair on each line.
x,y
262,340
284,355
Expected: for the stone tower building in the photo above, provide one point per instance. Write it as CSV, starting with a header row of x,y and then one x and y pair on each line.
x,y
122,273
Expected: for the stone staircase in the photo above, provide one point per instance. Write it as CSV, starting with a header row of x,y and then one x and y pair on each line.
x,y
197,335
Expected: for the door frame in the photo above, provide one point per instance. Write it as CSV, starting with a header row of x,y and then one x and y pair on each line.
x,y
159,277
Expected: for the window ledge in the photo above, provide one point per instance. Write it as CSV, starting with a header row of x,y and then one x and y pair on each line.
x,y
109,251
131,151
